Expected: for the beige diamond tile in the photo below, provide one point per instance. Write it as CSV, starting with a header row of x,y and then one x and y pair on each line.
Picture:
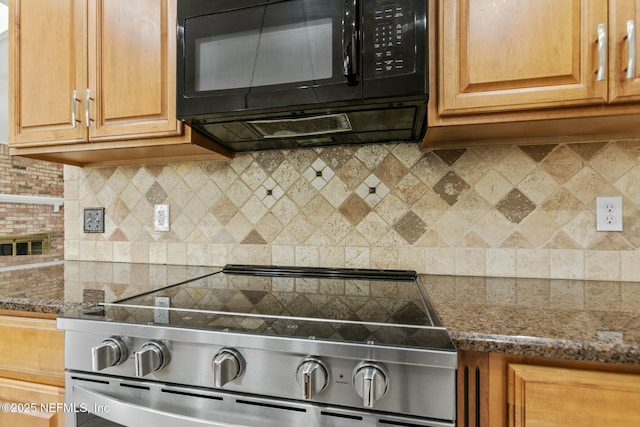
x,y
317,211
472,206
372,155
224,210
353,173
562,206
195,178
241,161
168,178
238,227
537,186
118,181
195,210
130,195
391,209
332,232
516,240
629,185
301,192
269,227
586,185
390,171
538,227
285,210
285,175
182,227
253,176
372,227
451,227
493,155
336,192
221,174
515,166
429,168
254,210
582,229
562,164
560,241
493,187
336,157
471,167
493,227
410,189
300,229
408,154
613,162
238,193
472,240
430,207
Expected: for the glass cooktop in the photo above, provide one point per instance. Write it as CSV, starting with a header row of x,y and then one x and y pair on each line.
x,y
371,306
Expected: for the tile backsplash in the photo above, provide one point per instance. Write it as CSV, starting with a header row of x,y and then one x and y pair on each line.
x,y
526,211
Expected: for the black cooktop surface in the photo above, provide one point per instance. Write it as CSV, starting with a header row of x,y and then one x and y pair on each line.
x,y
383,307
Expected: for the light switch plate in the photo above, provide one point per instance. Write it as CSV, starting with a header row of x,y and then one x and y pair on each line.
x,y
93,220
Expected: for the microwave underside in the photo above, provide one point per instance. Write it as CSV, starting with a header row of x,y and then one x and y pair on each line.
x,y
311,128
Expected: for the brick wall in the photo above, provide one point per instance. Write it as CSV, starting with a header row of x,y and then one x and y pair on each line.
x,y
24,176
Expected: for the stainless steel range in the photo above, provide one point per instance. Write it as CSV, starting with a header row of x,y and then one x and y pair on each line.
x,y
264,346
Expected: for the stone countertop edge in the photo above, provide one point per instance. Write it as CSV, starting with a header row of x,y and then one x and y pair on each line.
x,y
547,347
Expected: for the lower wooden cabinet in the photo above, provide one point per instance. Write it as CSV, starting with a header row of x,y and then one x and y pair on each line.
x,y
500,390
27,404
31,371
556,397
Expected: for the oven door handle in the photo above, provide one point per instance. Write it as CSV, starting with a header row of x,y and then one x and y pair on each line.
x,y
126,413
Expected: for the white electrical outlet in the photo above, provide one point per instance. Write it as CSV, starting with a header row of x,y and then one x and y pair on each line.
x,y
161,312
609,213
161,218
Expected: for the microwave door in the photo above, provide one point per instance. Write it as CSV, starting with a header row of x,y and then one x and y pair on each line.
x,y
289,53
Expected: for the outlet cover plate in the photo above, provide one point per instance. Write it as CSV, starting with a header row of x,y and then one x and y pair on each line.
x,y
609,214
93,220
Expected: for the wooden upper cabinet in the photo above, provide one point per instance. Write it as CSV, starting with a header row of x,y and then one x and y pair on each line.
x,y
116,57
46,51
131,71
624,18
526,54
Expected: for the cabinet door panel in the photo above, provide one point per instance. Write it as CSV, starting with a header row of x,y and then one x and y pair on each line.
x,y
541,396
46,59
623,88
28,397
509,55
132,69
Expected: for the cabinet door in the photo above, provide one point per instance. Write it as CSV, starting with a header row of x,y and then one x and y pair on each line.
x,y
511,55
624,18
541,396
30,404
132,69
46,58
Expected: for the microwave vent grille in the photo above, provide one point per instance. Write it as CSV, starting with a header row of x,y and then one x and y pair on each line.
x,y
307,126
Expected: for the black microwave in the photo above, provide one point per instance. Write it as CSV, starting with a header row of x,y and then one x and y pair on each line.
x,y
261,74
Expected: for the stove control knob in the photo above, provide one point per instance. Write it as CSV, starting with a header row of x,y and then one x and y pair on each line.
x,y
111,352
312,377
371,382
151,357
227,366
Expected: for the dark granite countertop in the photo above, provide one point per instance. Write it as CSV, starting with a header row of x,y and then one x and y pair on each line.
x,y
569,319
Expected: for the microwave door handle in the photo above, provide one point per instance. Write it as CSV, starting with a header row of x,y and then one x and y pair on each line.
x,y
350,40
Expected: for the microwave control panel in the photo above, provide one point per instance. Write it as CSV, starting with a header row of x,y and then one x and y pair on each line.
x,y
393,38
